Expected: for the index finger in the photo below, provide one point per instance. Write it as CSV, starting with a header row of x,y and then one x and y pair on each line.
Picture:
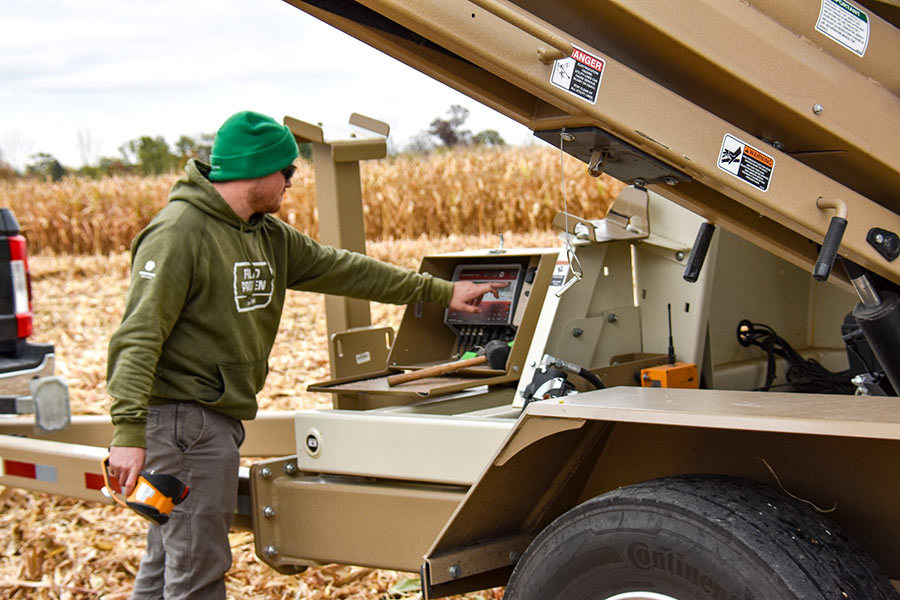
x,y
130,482
493,286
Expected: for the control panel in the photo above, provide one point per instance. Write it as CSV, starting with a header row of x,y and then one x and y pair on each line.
x,y
495,310
430,335
495,321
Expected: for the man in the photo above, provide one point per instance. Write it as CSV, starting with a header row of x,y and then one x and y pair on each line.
x,y
209,276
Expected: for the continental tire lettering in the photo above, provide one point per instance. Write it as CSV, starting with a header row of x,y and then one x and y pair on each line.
x,y
664,559
639,556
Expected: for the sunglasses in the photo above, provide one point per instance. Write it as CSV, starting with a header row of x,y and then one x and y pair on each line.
x,y
288,172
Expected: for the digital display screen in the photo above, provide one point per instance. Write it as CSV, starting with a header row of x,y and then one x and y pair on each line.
x,y
494,310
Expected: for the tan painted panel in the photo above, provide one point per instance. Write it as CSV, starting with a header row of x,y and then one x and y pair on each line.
x,y
70,470
321,520
752,284
432,448
818,414
270,434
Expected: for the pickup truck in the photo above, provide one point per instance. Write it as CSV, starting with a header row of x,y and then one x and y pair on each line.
x,y
27,382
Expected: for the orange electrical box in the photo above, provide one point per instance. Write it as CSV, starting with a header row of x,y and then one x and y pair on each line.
x,y
678,375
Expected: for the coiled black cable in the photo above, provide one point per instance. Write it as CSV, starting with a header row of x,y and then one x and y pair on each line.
x,y
803,374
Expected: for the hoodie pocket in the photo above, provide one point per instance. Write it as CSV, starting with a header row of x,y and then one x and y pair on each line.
x,y
240,384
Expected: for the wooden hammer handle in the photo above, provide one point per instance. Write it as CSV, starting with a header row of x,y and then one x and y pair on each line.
x,y
436,370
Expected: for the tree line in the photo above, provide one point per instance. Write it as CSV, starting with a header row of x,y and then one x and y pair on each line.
x,y
152,155
145,155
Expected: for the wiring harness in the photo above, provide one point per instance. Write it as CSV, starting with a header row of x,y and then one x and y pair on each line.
x,y
803,374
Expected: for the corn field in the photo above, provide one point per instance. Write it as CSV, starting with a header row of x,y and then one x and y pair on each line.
x,y
469,192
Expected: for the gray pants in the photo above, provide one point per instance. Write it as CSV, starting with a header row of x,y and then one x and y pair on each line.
x,y
189,556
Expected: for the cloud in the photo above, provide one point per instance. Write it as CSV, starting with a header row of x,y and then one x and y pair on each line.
x,y
170,67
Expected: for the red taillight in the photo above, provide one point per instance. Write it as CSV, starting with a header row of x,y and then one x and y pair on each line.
x,y
21,282
24,326
17,248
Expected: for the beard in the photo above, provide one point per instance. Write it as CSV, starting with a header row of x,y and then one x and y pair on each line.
x,y
263,197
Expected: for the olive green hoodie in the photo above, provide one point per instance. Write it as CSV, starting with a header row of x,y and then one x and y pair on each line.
x,y
207,290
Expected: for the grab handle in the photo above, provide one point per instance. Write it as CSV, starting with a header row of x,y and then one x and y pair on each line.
x,y
832,242
559,46
698,253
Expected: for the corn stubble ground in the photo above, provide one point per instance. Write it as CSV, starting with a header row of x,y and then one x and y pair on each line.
x,y
53,547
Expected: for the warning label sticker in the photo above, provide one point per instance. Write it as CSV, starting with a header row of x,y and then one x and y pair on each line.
x,y
746,162
580,75
559,273
845,24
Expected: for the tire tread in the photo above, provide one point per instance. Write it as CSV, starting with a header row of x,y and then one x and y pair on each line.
x,y
800,545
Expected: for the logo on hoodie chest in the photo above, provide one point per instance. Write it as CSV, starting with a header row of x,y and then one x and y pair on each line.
x,y
253,285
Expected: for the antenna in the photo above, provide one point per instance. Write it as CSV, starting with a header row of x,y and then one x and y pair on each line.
x,y
672,375
671,343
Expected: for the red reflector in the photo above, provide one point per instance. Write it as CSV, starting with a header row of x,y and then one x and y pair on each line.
x,y
94,481
17,249
19,469
24,326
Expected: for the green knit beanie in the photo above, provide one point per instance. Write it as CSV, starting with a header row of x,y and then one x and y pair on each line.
x,y
249,145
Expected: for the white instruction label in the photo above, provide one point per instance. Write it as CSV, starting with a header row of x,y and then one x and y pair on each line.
x,y
746,162
363,357
845,24
580,75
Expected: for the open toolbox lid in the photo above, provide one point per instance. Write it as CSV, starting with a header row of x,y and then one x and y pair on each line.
x,y
423,339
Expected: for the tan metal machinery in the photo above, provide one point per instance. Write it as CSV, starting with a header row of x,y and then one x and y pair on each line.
x,y
775,122
336,153
760,139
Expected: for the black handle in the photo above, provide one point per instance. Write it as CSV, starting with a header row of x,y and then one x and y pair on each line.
x,y
830,246
698,252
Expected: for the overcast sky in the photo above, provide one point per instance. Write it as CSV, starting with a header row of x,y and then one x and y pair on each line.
x,y
107,71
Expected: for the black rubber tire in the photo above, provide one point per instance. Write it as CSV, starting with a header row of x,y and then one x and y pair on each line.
x,y
696,537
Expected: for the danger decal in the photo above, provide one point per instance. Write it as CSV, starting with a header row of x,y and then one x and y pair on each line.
x,y
253,285
560,270
845,24
746,162
580,75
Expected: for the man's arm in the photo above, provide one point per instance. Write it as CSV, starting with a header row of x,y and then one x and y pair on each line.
x,y
467,295
162,265
314,267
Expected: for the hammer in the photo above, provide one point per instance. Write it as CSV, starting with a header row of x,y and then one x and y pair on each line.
x,y
495,354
